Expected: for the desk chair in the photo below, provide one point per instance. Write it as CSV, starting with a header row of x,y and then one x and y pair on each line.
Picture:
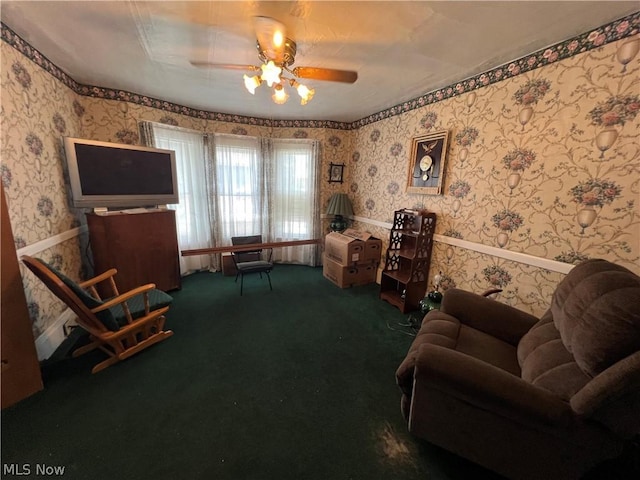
x,y
119,326
250,261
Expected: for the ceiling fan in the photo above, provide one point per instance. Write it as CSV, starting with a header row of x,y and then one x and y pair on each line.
x,y
277,54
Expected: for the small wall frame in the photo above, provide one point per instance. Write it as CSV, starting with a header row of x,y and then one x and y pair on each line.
x,y
336,172
427,163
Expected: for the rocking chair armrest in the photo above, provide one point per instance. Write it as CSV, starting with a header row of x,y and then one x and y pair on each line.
x,y
144,289
100,278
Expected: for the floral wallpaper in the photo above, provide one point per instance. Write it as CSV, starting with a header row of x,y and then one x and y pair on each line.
x,y
35,113
543,160
117,121
39,109
545,163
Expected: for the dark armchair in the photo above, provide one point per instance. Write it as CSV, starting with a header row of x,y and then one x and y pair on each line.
x,y
251,261
528,397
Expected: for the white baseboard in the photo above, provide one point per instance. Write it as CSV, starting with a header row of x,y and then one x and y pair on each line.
x,y
54,335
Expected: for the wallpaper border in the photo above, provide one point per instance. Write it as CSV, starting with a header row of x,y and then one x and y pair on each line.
x,y
597,37
618,29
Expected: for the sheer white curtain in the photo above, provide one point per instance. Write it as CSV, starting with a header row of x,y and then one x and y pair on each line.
x,y
234,185
294,212
268,187
239,188
193,213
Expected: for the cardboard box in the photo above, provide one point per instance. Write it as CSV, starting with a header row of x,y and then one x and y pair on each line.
x,y
349,275
367,273
343,249
352,247
372,250
372,246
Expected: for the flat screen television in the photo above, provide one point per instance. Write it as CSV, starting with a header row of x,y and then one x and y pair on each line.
x,y
108,175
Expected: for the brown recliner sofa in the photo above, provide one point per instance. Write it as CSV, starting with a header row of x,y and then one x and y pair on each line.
x,y
531,398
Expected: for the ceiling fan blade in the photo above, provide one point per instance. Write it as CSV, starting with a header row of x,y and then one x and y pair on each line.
x,y
226,66
271,35
327,74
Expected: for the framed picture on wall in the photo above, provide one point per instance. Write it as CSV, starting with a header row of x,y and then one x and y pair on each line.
x,y
336,171
426,167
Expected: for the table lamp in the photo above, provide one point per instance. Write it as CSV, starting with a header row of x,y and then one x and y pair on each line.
x,y
339,207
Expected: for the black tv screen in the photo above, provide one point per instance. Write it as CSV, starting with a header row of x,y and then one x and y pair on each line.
x,y
106,174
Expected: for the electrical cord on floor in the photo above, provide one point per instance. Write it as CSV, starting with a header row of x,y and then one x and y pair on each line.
x,y
410,327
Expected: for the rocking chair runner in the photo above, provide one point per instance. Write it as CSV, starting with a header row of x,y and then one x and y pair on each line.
x,y
120,326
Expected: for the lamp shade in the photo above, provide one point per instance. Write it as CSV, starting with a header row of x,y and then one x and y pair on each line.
x,y
339,204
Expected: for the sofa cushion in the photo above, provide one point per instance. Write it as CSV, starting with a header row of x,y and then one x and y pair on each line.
x,y
595,309
439,329
444,330
488,348
546,363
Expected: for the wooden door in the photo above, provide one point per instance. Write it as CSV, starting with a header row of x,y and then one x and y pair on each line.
x,y
21,375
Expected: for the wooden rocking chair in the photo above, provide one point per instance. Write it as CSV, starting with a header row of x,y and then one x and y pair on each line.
x,y
120,326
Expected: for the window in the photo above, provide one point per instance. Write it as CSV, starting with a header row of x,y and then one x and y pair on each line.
x,y
233,185
239,208
292,192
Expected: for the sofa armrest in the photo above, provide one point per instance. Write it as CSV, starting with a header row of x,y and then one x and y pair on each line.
x,y
613,397
487,315
487,387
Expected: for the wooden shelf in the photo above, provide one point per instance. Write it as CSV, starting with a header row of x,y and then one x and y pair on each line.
x,y
405,261
394,298
409,233
398,275
406,252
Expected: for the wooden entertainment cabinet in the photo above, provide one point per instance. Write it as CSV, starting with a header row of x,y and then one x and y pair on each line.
x,y
143,247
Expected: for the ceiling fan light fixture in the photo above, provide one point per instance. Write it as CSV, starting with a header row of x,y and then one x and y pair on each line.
x,y
305,93
271,73
251,83
278,38
280,96
277,54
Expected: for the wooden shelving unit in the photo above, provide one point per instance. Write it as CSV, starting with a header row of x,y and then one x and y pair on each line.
x,y
404,278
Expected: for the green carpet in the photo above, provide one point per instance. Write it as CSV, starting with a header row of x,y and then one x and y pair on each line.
x,y
294,383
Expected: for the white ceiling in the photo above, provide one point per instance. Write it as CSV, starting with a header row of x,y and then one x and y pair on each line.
x,y
401,50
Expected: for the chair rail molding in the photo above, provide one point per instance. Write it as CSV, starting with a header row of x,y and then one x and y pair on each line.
x,y
52,241
519,257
